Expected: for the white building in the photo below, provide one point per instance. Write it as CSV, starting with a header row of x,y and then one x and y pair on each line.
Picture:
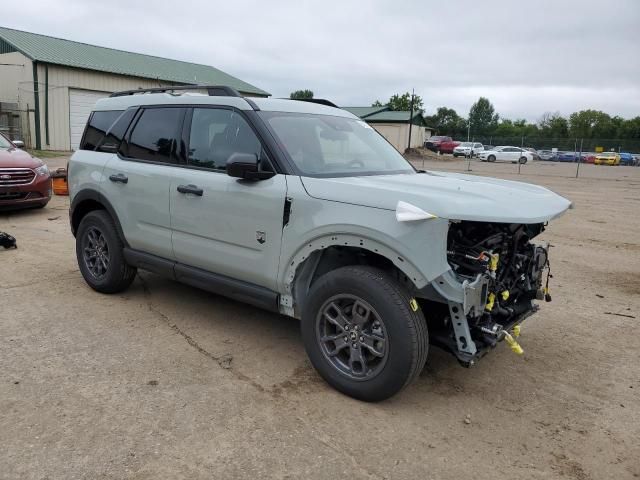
x,y
394,125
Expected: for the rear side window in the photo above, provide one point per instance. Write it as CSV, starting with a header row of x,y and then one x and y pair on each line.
x,y
154,135
99,123
111,141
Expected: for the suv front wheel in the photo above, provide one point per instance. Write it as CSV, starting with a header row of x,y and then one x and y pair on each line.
x,y
364,333
100,255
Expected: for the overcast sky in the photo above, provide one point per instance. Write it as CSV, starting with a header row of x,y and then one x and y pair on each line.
x,y
526,57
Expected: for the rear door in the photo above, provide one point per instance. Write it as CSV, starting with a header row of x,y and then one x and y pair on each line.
x,y
137,180
221,224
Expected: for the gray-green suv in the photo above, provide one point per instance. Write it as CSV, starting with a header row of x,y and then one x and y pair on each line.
x,y
303,209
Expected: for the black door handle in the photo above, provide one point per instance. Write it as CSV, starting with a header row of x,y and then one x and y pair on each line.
x,y
193,189
120,177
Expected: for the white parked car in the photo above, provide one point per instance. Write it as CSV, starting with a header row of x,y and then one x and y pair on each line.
x,y
506,154
468,149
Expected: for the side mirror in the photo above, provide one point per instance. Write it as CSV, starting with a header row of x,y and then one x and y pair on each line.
x,y
18,143
245,166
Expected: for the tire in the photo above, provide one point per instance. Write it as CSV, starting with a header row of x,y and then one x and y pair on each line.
x,y
522,160
98,239
491,158
401,338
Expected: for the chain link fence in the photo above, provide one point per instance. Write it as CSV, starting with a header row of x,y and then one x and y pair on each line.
x,y
565,144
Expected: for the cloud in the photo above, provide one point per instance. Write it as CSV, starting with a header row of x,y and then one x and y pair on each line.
x,y
526,57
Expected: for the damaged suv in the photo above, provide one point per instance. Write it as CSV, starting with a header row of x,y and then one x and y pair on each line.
x,y
302,208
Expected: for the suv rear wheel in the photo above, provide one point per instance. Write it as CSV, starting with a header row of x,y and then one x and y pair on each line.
x,y
100,256
363,333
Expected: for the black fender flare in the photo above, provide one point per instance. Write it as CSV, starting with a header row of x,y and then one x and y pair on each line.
x,y
97,197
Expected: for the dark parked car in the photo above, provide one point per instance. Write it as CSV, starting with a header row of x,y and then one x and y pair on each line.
x,y
567,157
24,180
627,159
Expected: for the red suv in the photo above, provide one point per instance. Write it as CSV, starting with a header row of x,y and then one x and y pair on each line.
x,y
24,180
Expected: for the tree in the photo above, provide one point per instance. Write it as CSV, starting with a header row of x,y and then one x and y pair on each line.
x,y
629,129
301,95
402,102
553,125
505,129
591,124
482,117
447,122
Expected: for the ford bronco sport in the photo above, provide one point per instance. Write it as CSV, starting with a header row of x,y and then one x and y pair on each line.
x,y
303,209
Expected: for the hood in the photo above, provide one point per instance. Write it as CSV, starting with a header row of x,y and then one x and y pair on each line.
x,y
453,196
16,158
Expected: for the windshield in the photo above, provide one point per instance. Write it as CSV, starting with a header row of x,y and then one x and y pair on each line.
x,y
4,143
608,154
327,146
466,144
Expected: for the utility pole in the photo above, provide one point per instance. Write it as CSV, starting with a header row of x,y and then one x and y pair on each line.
x,y
469,128
411,116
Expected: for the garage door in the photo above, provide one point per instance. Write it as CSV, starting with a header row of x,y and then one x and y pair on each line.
x,y
81,102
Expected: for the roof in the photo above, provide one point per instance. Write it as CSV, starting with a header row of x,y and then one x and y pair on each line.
x,y
264,104
396,116
364,112
41,48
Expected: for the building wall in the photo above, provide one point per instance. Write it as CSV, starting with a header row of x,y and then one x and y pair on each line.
x,y
398,134
16,86
61,79
19,72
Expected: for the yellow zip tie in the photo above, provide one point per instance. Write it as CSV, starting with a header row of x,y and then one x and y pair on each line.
x,y
516,331
493,263
490,301
413,304
515,347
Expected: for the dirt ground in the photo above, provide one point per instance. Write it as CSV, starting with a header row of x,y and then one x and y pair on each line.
x,y
168,382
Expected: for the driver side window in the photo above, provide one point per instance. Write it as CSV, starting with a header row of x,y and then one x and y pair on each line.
x,y
218,133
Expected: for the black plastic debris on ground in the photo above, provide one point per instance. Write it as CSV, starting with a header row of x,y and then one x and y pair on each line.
x,y
7,241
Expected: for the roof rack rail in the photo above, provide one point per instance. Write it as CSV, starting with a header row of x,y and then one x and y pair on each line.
x,y
320,101
212,90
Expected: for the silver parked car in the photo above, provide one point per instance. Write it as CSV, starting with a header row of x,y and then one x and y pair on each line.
x,y
468,149
304,209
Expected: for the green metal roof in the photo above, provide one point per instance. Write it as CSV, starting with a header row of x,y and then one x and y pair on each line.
x,y
364,112
42,48
396,116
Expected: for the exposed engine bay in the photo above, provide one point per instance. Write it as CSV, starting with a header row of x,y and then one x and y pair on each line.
x,y
514,270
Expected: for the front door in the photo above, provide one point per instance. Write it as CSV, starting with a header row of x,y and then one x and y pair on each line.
x,y
222,224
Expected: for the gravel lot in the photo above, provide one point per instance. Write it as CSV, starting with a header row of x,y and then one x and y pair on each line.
x,y
165,381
